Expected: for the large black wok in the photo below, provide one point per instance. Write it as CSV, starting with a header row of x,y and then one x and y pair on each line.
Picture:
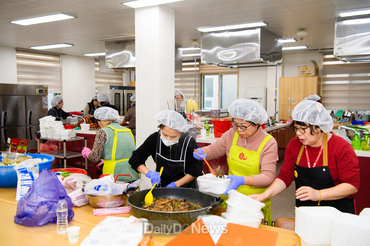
x,y
172,222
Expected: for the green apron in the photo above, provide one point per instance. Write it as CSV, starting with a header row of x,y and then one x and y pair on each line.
x,y
244,162
116,162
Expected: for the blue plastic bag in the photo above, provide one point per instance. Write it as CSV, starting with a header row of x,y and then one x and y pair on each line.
x,y
39,206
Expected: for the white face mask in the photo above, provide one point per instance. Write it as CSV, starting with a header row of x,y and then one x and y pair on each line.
x,y
169,142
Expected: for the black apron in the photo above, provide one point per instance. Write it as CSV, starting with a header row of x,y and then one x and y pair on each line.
x,y
173,170
319,178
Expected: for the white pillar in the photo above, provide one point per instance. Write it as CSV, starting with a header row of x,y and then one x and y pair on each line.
x,y
155,66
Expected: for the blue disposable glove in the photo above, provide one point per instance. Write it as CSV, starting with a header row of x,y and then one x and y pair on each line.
x,y
155,177
172,185
236,181
199,156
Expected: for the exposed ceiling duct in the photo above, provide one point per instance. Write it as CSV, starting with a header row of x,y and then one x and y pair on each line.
x,y
242,48
352,38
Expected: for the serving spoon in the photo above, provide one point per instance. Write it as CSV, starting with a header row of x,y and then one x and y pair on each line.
x,y
149,196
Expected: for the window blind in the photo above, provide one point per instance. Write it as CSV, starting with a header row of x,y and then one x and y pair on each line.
x,y
187,80
107,78
345,86
36,68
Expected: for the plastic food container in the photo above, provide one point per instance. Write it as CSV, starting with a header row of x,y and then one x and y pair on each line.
x,y
221,126
209,184
11,158
247,221
85,127
243,202
245,212
8,176
65,134
71,170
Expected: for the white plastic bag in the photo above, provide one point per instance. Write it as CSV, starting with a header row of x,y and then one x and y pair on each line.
x,y
75,181
78,198
27,172
104,187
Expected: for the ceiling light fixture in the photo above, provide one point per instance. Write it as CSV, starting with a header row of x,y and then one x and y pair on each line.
x,y
231,27
95,54
43,19
295,48
287,40
356,21
190,48
190,55
354,12
51,46
146,3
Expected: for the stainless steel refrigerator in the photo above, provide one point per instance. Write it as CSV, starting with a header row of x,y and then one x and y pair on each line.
x,y
21,107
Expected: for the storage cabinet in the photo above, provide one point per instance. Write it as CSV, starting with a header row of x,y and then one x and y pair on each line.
x,y
293,90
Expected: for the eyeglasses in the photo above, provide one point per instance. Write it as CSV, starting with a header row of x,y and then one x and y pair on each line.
x,y
300,129
242,128
179,99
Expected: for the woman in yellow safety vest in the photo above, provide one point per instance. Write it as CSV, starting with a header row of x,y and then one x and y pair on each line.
x,y
113,143
252,153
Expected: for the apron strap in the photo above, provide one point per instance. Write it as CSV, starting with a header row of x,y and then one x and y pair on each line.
x,y
262,145
325,153
114,148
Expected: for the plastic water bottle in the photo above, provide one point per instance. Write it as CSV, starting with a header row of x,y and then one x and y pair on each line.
x,y
206,126
356,142
365,142
62,215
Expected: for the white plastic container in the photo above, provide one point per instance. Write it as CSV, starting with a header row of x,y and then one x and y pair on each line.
x,y
85,127
65,134
209,184
244,202
252,222
245,212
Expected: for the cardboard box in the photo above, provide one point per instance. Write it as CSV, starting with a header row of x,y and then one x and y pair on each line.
x,y
132,83
309,71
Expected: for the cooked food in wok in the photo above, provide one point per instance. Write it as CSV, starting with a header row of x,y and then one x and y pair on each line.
x,y
172,205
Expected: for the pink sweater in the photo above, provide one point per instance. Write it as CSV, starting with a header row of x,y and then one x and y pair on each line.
x,y
268,159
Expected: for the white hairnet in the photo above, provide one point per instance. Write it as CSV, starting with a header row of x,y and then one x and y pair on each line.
x,y
106,113
173,120
313,113
313,97
248,110
179,93
133,98
95,97
103,98
56,100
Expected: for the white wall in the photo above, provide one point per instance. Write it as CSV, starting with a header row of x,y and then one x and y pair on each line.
x,y
291,62
8,65
260,77
78,82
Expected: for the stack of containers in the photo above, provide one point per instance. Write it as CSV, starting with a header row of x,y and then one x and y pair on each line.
x,y
243,210
45,131
56,127
50,128
350,229
313,224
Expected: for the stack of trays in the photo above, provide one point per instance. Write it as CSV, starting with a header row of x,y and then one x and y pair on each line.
x,y
313,224
49,128
350,229
243,210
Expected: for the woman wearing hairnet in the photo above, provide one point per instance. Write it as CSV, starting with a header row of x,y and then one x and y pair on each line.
x,y
251,152
56,110
179,99
324,166
130,116
104,101
113,143
91,107
170,148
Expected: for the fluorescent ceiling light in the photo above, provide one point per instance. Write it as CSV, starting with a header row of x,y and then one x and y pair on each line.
x,y
50,46
42,19
146,3
354,13
295,48
190,48
287,40
330,56
95,54
356,21
333,62
231,27
188,55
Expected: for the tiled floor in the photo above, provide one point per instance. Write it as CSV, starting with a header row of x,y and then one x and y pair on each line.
x,y
283,205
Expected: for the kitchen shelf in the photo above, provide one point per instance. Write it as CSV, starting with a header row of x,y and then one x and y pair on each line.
x,y
64,154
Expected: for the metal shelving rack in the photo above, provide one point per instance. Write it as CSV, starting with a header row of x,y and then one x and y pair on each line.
x,y
63,154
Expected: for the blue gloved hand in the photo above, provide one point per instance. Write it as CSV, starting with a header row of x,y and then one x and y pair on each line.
x,y
236,181
172,185
155,177
199,156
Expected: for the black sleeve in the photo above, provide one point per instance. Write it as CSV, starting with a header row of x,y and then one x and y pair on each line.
x,y
52,112
64,114
141,154
193,166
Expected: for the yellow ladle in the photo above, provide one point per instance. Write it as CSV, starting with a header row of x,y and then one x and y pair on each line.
x,y
149,196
